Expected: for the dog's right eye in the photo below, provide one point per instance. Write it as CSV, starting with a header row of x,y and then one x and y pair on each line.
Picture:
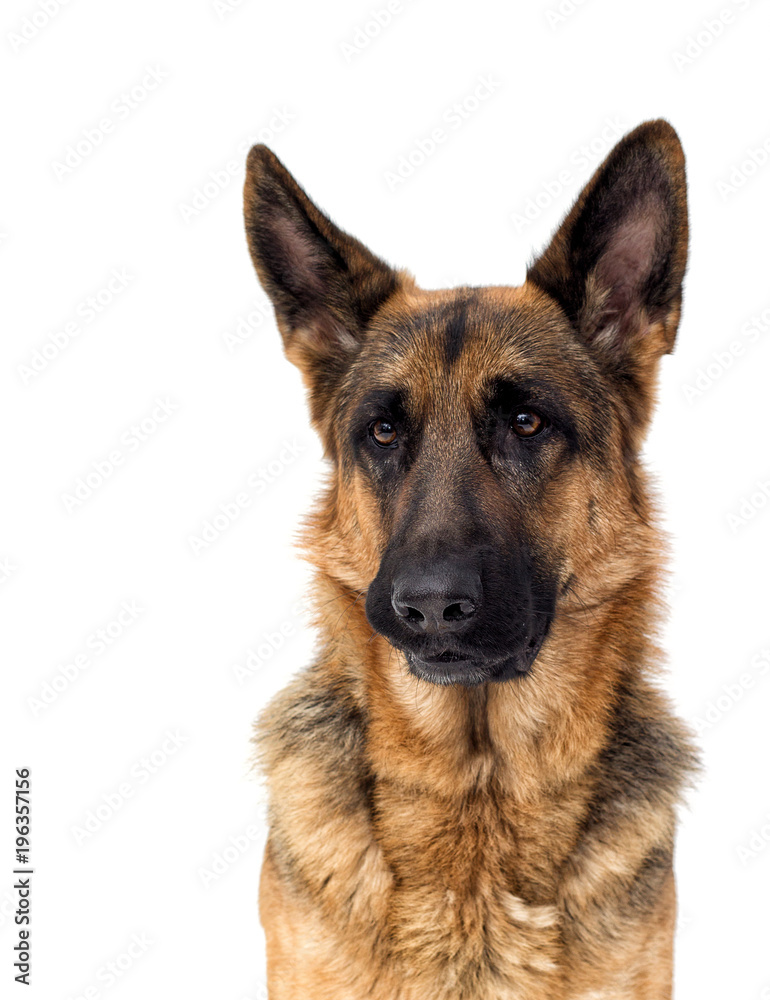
x,y
384,433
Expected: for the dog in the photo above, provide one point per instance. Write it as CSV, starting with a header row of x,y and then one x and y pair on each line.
x,y
474,788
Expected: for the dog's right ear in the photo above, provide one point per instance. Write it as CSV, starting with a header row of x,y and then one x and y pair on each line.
x,y
324,284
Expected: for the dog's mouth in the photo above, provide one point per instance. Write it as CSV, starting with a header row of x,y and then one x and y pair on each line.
x,y
448,656
457,667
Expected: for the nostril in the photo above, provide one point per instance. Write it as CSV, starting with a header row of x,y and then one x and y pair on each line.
x,y
459,611
411,614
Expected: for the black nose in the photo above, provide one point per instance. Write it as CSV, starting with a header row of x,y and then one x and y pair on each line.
x,y
441,597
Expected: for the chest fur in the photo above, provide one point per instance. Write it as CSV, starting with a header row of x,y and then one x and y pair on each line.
x,y
473,894
473,900
459,895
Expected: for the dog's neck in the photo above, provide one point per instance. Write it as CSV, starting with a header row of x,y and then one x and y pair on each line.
x,y
527,734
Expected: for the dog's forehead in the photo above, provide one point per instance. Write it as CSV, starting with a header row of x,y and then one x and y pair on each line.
x,y
453,344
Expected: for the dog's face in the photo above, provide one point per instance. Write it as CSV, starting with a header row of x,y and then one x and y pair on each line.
x,y
484,441
464,422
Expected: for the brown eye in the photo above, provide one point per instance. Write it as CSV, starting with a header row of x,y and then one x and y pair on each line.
x,y
527,423
384,433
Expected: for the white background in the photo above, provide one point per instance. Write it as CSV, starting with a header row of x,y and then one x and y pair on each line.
x,y
158,198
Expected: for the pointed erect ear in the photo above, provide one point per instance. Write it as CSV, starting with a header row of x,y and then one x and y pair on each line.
x,y
325,285
617,262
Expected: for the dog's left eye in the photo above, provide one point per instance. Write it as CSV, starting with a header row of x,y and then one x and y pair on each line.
x,y
384,433
527,423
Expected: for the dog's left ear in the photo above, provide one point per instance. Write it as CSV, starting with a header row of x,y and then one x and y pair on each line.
x,y
324,284
617,262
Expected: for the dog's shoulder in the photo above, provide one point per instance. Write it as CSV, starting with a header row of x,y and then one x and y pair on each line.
x,y
649,757
318,717
621,865
311,746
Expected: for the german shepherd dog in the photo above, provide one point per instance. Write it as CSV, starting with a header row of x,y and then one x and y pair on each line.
x,y
473,790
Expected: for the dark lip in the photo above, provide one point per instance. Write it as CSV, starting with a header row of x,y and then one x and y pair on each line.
x,y
451,667
464,672
447,656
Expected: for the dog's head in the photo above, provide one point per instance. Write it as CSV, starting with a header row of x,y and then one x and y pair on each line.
x,y
483,441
